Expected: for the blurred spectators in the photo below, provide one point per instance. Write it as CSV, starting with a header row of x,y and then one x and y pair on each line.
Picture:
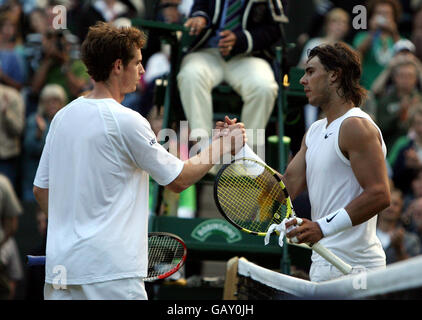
x,y
376,44
405,157
322,7
393,108
12,66
10,264
52,99
415,213
404,50
59,63
83,14
12,121
336,27
417,33
397,243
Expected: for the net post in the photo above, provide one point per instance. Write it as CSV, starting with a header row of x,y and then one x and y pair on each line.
x,y
230,284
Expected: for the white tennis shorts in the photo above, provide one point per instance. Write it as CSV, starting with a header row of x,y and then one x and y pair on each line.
x,y
324,272
120,289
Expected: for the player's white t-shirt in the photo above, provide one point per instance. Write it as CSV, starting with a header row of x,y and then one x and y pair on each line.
x,y
331,186
96,164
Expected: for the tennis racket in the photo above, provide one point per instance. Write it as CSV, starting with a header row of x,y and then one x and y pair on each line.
x,y
252,197
166,255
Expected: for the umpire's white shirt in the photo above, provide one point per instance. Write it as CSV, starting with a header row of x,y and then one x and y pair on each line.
x,y
331,186
96,164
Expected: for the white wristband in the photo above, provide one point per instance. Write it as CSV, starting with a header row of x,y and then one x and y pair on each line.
x,y
335,222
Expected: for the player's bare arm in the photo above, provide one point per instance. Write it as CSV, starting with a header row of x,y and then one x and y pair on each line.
x,y
295,176
360,142
41,195
196,167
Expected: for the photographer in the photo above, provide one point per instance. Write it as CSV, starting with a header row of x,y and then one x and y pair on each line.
x,y
376,44
59,63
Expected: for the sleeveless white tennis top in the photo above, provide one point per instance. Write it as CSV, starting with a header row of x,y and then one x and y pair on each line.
x,y
331,186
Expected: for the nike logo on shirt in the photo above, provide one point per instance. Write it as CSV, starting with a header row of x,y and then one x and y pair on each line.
x,y
327,135
329,219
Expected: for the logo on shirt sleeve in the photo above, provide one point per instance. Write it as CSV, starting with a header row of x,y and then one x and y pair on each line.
x,y
152,142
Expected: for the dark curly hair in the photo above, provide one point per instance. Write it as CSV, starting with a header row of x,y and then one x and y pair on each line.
x,y
105,43
346,62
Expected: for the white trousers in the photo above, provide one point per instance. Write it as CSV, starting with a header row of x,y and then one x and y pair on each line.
x,y
120,289
252,78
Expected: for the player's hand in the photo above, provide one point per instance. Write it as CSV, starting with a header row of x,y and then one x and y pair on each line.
x,y
221,127
227,41
308,232
196,25
237,135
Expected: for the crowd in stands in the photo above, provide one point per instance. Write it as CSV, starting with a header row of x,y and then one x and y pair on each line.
x,y
41,71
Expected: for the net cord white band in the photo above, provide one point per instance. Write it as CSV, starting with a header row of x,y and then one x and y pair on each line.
x,y
396,277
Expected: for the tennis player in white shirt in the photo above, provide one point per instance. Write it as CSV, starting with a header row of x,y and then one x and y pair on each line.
x,y
92,178
342,164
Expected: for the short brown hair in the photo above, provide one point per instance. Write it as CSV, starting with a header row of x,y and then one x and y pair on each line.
x,y
346,62
106,43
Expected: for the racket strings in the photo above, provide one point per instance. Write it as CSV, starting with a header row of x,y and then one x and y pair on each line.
x,y
164,254
251,196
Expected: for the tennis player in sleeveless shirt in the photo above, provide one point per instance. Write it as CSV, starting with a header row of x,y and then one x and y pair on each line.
x,y
341,162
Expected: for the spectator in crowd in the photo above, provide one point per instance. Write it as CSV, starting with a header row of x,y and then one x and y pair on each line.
x,y
397,243
12,121
405,157
321,9
12,67
336,27
37,22
415,214
83,14
417,33
376,44
52,99
60,64
415,193
10,264
393,108
230,46
404,50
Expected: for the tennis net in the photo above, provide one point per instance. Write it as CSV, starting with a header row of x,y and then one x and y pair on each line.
x,y
248,281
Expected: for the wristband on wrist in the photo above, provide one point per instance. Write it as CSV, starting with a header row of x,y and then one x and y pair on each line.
x,y
335,222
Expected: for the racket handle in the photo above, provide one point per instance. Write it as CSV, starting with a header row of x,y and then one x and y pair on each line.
x,y
327,254
35,260
332,258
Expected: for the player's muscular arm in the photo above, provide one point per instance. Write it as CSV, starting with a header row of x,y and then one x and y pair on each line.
x,y
295,176
360,142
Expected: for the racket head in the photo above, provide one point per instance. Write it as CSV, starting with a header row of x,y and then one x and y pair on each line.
x,y
251,196
166,255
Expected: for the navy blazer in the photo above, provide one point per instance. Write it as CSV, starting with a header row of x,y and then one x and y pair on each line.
x,y
259,31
